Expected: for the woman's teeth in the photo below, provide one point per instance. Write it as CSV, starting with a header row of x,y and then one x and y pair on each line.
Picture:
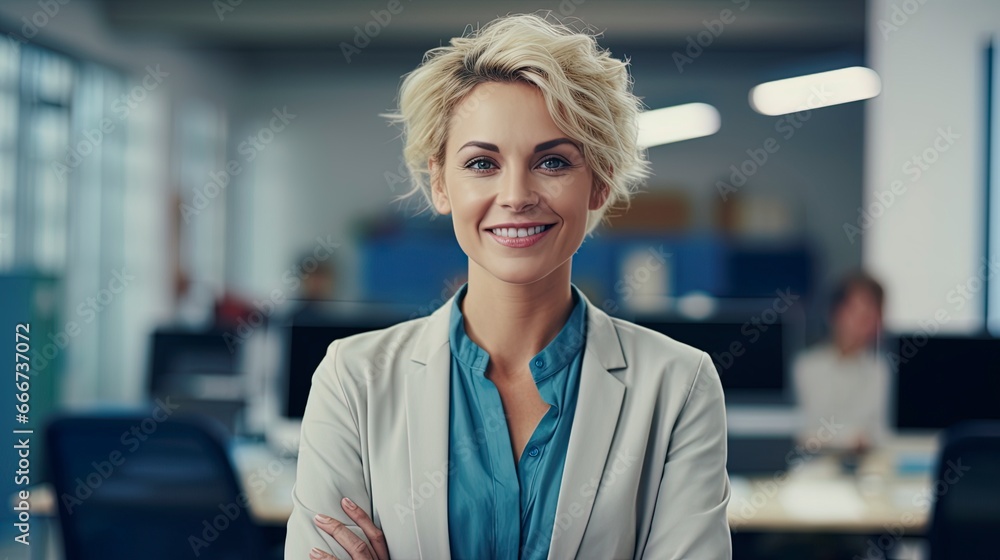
x,y
519,232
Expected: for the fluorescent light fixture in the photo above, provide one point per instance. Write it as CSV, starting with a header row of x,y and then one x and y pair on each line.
x,y
673,124
815,90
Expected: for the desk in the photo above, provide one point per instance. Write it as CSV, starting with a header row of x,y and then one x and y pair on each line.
x,y
813,498
816,497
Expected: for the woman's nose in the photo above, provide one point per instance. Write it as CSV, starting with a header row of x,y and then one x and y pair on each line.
x,y
517,191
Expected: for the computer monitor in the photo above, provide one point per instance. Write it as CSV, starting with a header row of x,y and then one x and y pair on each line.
x,y
200,372
305,349
941,380
178,357
750,358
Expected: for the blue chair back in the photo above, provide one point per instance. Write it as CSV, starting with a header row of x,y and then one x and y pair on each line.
x,y
152,486
965,521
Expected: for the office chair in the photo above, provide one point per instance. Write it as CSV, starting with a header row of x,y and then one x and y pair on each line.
x,y
965,521
133,486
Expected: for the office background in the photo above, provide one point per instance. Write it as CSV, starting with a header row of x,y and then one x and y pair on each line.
x,y
172,172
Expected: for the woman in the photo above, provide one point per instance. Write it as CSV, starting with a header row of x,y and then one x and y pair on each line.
x,y
518,420
843,382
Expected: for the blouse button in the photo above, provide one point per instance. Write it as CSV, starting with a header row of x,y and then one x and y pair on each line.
x,y
539,362
533,452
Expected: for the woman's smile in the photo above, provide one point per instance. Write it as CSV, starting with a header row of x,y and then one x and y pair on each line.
x,y
520,238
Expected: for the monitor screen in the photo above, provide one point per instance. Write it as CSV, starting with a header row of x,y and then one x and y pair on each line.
x,y
306,348
750,358
176,354
942,380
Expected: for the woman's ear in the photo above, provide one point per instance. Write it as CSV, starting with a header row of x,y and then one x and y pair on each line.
x,y
601,191
439,194
599,195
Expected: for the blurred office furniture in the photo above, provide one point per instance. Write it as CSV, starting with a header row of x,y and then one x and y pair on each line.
x,y
308,336
200,370
751,345
943,380
742,214
746,368
147,486
966,513
758,454
299,343
887,497
654,212
713,264
890,489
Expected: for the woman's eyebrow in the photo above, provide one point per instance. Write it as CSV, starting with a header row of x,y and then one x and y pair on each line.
x,y
539,148
553,143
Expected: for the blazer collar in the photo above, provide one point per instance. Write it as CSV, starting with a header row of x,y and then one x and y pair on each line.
x,y
599,403
601,334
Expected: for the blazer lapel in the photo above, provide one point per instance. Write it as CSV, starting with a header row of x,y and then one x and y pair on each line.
x,y
598,405
427,413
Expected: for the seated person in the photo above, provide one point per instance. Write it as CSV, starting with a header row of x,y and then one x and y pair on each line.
x,y
842,385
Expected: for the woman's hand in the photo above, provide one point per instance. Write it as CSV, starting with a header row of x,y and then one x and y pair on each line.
x,y
351,543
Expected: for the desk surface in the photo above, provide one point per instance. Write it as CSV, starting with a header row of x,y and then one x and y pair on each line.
x,y
817,497
814,497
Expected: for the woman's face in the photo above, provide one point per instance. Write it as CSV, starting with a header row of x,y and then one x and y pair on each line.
x,y
857,320
507,166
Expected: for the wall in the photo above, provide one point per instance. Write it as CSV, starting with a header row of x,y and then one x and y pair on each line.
x,y
335,155
928,240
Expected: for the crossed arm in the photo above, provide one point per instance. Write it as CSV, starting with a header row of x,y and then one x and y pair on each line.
x,y
322,524
689,518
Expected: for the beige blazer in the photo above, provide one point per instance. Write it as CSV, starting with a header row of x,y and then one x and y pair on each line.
x,y
645,473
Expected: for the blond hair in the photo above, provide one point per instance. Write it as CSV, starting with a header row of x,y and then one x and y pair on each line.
x,y
586,90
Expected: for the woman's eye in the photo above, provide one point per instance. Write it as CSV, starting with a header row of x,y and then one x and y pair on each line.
x,y
480,165
553,163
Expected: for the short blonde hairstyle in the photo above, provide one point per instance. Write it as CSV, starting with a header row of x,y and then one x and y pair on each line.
x,y
587,91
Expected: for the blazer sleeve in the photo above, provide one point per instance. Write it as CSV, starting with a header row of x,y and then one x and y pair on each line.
x,y
690,518
329,465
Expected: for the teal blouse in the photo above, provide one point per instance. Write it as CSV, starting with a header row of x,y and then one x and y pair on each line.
x,y
496,509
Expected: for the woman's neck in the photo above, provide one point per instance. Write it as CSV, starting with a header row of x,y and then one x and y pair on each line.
x,y
513,322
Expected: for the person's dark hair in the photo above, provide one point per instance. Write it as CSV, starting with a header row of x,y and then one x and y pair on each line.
x,y
855,280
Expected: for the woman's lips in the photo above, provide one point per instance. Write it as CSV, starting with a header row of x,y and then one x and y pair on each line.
x,y
520,242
